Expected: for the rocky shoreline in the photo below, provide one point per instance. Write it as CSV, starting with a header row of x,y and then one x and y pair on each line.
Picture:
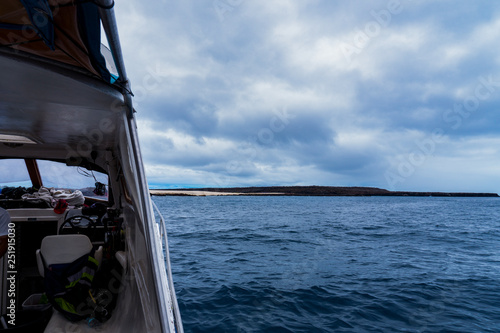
x,y
310,191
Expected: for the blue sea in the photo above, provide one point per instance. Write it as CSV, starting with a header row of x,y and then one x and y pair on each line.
x,y
335,264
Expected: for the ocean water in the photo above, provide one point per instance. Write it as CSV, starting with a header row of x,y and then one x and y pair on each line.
x,y
335,264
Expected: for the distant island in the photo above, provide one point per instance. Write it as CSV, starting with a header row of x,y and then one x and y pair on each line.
x,y
310,191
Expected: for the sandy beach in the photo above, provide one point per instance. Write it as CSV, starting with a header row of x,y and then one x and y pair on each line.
x,y
191,193
205,193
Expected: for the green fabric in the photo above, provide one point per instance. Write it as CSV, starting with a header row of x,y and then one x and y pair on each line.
x,y
68,285
44,299
66,306
84,275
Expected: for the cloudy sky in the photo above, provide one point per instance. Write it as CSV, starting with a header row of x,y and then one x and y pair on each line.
x,y
403,95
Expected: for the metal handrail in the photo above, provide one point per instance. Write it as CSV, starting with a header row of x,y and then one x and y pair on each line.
x,y
164,238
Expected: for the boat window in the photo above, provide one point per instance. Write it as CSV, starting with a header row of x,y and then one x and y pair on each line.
x,y
13,173
59,175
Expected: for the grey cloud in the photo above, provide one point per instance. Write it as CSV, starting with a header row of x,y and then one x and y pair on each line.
x,y
221,80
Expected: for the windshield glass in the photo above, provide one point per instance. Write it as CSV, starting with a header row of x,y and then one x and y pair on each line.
x,y
13,173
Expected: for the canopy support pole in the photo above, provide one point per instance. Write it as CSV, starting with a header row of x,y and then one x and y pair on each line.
x,y
108,19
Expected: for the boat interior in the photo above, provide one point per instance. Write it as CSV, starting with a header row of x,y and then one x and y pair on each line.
x,y
41,224
58,125
66,135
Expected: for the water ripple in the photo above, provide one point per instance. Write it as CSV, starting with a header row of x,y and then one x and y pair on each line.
x,y
333,264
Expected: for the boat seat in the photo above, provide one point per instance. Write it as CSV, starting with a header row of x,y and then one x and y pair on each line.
x,y
62,249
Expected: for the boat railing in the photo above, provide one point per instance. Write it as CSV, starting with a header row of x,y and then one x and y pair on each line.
x,y
164,241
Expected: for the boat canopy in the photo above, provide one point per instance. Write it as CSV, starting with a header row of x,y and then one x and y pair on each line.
x,y
65,31
61,97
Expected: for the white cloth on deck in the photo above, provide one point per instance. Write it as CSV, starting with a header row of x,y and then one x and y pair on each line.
x,y
52,195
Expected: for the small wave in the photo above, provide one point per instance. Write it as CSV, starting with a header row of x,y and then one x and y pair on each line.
x,y
336,265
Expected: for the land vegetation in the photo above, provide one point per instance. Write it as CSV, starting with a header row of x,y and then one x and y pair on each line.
x,y
312,191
